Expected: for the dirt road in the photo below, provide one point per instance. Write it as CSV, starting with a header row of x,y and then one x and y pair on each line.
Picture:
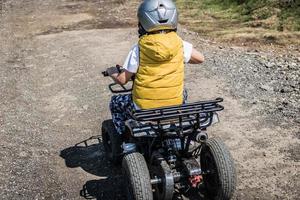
x,y
52,96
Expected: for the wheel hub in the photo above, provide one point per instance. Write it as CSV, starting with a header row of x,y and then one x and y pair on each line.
x,y
164,186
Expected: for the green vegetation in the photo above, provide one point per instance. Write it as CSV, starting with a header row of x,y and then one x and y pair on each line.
x,y
276,21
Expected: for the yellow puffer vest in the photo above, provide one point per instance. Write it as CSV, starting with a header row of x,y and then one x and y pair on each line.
x,y
159,80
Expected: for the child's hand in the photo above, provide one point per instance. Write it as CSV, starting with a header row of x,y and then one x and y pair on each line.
x,y
112,71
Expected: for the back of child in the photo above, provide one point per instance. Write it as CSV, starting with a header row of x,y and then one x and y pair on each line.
x,y
159,79
157,62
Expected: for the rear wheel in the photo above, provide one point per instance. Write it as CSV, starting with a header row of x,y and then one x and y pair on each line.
x,y
137,177
220,180
111,142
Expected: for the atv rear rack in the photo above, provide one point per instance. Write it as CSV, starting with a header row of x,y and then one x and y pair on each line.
x,y
171,120
175,112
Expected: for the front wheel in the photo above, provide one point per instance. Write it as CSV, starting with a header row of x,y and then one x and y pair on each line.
x,y
112,142
137,177
220,180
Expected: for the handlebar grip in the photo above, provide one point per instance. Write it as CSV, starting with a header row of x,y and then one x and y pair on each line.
x,y
104,73
119,68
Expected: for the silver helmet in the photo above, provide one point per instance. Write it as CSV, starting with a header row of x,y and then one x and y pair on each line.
x,y
156,15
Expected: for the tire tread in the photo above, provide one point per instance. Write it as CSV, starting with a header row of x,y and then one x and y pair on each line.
x,y
136,169
225,166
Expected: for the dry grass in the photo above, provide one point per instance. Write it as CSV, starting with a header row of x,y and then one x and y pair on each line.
x,y
264,25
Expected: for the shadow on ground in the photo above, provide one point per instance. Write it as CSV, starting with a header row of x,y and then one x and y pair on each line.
x,y
89,155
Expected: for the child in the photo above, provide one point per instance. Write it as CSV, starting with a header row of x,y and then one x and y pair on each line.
x,y
157,62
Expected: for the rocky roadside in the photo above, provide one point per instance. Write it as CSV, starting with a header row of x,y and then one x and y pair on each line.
x,y
267,81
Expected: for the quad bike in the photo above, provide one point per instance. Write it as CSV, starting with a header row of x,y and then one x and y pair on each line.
x,y
167,149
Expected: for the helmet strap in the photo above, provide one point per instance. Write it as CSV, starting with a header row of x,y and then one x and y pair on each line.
x,y
141,30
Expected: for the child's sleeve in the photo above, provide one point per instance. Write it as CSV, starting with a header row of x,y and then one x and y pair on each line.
x,y
132,61
187,51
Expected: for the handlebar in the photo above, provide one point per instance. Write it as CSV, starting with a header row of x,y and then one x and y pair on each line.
x,y
104,73
112,85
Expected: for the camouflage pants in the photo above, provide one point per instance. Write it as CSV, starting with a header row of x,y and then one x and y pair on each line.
x,y
121,106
